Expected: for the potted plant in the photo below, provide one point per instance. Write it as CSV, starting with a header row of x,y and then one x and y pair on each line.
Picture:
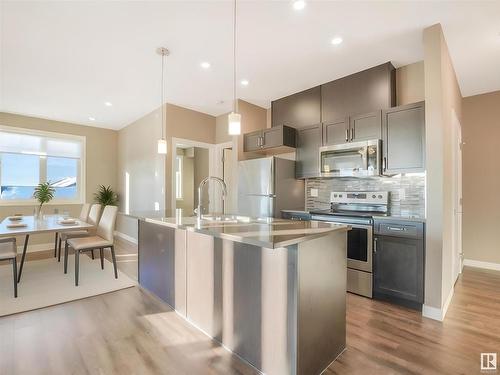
x,y
43,193
105,196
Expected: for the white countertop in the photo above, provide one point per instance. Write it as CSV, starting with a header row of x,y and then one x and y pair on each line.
x,y
268,233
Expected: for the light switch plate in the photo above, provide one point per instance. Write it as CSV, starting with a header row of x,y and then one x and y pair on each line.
x,y
402,194
314,192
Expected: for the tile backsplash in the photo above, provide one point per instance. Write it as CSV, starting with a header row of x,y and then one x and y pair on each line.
x,y
406,192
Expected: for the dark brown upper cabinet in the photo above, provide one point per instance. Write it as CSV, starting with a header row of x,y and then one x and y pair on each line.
x,y
336,132
354,128
403,136
366,126
363,92
265,139
298,110
309,140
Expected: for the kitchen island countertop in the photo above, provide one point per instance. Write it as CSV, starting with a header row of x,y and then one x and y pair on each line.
x,y
269,233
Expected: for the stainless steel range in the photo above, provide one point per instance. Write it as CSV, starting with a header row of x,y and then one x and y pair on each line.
x,y
357,209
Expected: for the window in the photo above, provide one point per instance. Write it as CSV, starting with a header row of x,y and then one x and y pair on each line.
x,y
30,157
178,177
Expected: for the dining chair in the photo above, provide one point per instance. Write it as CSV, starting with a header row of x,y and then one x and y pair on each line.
x,y
8,251
91,217
103,239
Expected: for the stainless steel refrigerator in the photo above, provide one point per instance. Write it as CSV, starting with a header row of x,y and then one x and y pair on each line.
x,y
268,185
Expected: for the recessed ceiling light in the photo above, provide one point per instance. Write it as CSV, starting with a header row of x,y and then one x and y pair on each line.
x,y
92,118
337,40
108,104
299,4
205,65
244,82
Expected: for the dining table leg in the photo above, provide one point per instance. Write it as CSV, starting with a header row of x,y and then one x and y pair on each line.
x,y
55,244
25,247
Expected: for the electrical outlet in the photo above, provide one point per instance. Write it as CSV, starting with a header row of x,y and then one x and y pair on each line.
x,y
314,192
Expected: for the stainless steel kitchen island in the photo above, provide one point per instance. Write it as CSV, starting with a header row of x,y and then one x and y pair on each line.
x,y
272,291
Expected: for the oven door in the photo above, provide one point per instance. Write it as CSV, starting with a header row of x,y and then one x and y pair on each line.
x,y
359,247
359,240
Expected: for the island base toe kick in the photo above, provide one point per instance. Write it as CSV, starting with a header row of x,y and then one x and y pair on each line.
x,y
281,310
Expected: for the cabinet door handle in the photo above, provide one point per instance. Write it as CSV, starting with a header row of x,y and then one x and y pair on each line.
x,y
375,245
397,229
352,134
385,163
261,141
347,135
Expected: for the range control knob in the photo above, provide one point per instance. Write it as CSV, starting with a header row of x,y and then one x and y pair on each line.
x,y
374,196
380,196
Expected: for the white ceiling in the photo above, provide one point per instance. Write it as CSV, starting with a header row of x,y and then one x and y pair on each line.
x,y
63,60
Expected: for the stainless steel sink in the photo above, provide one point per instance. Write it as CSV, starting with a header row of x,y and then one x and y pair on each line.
x,y
221,218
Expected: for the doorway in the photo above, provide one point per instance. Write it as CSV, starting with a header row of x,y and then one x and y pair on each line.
x,y
226,168
457,258
191,163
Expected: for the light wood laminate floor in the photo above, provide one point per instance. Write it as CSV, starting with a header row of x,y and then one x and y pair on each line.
x,y
131,332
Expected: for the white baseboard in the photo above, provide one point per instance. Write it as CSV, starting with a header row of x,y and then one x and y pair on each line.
x,y
438,313
480,264
126,237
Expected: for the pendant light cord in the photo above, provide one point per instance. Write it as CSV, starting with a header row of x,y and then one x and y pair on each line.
x,y
162,94
235,103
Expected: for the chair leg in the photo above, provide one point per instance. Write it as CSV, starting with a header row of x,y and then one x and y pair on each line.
x,y
55,244
65,256
114,260
77,266
59,250
92,251
101,254
14,271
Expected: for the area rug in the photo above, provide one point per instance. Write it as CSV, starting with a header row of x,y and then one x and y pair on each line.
x,y
44,283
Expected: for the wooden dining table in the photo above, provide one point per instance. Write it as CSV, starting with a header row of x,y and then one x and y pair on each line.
x,y
46,224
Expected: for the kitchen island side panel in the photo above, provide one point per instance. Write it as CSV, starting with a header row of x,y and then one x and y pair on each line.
x,y
322,275
244,296
162,263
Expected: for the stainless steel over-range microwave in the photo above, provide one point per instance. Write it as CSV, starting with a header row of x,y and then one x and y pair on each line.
x,y
356,159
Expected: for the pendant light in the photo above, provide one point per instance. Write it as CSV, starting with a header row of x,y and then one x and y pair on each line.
x,y
162,143
234,118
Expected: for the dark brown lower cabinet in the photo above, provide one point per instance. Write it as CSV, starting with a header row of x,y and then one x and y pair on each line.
x,y
398,263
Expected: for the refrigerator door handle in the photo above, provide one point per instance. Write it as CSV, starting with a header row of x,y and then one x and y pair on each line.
x,y
262,195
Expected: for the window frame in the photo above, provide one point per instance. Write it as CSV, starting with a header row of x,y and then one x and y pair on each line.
x,y
81,168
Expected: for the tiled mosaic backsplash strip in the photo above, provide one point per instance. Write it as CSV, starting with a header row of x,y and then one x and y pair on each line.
x,y
406,193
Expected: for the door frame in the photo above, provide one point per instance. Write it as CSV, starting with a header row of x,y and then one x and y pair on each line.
x,y
190,143
457,198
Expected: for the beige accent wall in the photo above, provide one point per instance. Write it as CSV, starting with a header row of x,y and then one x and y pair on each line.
x,y
410,83
151,174
221,134
253,118
101,161
481,179
442,96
